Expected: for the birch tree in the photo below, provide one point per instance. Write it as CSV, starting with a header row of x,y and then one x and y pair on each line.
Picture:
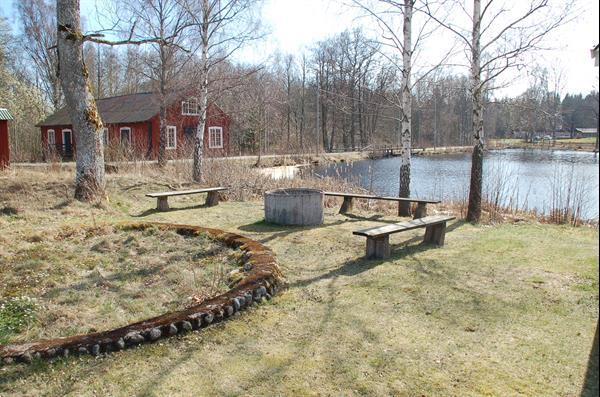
x,y
385,13
222,29
500,35
87,125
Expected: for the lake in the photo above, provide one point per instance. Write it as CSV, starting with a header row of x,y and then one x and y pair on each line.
x,y
520,178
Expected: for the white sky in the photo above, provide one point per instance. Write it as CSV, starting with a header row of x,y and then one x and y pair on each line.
x,y
295,25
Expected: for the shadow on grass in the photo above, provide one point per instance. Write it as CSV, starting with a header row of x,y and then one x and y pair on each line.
x,y
590,384
360,265
156,211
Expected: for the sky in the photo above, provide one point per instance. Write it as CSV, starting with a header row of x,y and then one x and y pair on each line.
x,y
294,26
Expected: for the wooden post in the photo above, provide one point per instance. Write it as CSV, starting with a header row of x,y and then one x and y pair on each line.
x,y
435,234
212,199
162,203
421,211
378,247
346,205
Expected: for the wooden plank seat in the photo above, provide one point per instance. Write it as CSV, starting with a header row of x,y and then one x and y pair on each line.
x,y
162,203
346,207
378,238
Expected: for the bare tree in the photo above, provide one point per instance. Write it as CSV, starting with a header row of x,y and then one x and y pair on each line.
x,y
384,13
222,28
167,23
39,39
87,126
499,36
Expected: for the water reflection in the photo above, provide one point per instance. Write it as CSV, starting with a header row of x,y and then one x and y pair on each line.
x,y
526,179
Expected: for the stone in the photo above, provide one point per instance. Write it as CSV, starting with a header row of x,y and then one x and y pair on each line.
x,y
248,298
8,360
50,353
267,296
242,300
37,356
247,266
209,318
186,326
172,329
219,315
82,350
154,334
262,290
120,344
236,304
26,358
228,311
95,350
133,338
65,353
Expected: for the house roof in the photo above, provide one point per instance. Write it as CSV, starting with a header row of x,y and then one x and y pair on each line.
x,y
130,108
5,114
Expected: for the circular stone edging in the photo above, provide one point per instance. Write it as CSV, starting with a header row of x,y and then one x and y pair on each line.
x,y
262,280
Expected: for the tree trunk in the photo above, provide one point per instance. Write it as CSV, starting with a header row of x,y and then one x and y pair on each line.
x,y
87,125
162,133
405,134
202,99
476,186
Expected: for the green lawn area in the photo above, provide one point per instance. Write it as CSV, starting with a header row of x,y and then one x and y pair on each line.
x,y
501,310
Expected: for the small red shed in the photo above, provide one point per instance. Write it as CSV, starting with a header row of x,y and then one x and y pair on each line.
x,y
4,144
132,125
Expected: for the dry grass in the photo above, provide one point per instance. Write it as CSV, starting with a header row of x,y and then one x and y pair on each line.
x,y
509,309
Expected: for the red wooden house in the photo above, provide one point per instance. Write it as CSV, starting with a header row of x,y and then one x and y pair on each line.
x,y
131,122
4,143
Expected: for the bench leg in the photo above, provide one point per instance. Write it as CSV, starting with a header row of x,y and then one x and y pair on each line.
x,y
346,205
435,234
162,204
212,199
378,247
421,211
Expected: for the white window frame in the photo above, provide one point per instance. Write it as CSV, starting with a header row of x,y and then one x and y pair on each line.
x,y
105,136
174,145
121,135
185,107
211,144
51,142
70,136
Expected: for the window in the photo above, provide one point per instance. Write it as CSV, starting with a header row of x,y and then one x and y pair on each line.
x,y
189,107
215,137
125,136
171,137
51,138
105,136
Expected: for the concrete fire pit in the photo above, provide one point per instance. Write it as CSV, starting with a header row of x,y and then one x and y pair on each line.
x,y
298,206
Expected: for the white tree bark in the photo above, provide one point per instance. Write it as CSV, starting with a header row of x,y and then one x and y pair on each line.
x,y
476,185
87,125
203,96
406,111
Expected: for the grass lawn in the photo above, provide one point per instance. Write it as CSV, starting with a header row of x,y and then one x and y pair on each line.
x,y
501,310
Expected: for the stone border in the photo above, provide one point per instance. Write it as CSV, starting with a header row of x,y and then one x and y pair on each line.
x,y
261,279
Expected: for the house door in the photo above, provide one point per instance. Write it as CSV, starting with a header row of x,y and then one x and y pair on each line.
x,y
67,137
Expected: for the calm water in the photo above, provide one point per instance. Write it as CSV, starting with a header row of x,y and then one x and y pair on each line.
x,y
524,179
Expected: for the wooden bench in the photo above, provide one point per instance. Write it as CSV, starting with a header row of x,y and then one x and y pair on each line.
x,y
162,203
348,197
378,238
